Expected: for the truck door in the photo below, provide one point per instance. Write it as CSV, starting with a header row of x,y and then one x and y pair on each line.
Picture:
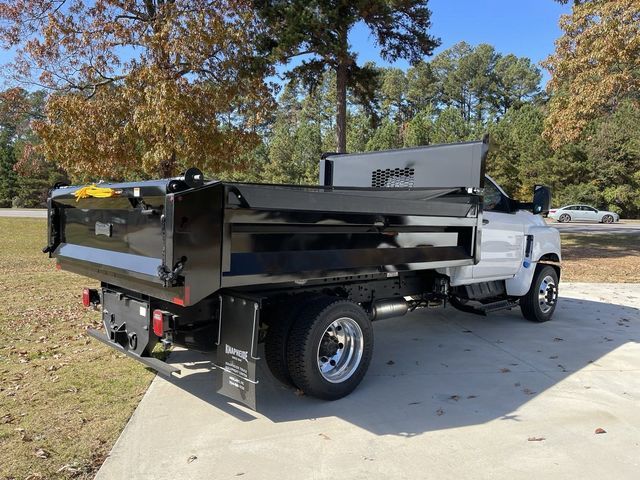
x,y
502,238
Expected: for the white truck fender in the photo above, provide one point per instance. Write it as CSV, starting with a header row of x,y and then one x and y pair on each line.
x,y
545,246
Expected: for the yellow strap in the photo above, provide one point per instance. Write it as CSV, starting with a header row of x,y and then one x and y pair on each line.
x,y
93,191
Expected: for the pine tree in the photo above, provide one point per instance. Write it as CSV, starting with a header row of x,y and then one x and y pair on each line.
x,y
318,32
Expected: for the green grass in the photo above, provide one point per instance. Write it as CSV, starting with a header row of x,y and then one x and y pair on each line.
x,y
64,397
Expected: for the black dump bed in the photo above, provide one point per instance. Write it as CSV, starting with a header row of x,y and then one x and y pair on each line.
x,y
181,244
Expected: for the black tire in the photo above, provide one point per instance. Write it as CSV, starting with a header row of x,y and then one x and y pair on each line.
x,y
309,336
564,218
533,306
279,320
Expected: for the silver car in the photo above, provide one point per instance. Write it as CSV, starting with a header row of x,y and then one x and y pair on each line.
x,y
583,213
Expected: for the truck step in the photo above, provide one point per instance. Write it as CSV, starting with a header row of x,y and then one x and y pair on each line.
x,y
484,309
497,306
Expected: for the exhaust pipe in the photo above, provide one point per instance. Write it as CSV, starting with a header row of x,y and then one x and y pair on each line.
x,y
390,307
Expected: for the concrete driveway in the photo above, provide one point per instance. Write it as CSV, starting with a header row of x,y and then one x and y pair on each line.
x,y
448,395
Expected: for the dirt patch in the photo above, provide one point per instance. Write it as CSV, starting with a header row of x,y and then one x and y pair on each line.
x,y
608,257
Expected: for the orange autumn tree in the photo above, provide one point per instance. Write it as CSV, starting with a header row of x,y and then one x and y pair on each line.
x,y
595,67
140,87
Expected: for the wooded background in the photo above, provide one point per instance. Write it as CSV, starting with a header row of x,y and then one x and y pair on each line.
x,y
115,89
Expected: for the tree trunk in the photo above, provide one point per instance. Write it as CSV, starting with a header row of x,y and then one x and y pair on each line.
x,y
342,72
166,167
341,107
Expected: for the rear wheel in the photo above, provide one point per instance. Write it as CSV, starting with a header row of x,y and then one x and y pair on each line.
x,y
607,219
330,348
280,320
539,303
565,217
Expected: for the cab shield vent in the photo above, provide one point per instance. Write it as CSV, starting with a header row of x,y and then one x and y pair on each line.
x,y
393,178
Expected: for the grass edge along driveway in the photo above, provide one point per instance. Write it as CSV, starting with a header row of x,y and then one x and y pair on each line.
x,y
64,397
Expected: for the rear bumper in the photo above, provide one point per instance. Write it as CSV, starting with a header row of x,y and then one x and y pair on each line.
x,y
158,365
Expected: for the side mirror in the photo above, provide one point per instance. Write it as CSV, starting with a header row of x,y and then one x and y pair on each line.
x,y
541,199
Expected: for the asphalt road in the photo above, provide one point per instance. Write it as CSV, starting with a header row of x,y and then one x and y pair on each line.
x,y
23,212
448,395
625,227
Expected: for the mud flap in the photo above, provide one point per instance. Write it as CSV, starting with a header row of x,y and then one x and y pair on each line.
x,y
237,349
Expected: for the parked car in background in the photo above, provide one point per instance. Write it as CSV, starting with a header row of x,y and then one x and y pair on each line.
x,y
583,213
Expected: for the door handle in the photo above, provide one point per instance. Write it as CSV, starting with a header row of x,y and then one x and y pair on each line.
x,y
485,221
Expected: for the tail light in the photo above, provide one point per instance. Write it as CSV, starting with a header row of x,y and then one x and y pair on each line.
x,y
86,297
160,322
90,296
552,211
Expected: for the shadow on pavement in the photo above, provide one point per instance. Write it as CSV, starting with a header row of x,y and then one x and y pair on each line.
x,y
441,369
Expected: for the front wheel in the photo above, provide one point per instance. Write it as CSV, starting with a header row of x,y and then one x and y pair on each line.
x,y
330,348
539,303
607,219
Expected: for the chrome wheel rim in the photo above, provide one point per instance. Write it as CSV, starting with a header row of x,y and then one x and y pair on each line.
x,y
547,294
564,218
340,350
608,219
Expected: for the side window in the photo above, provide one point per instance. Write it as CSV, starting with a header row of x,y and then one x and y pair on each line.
x,y
494,200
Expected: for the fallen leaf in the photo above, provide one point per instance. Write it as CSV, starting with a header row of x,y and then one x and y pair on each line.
x,y
504,370
527,391
440,412
326,437
455,398
558,339
472,396
600,430
536,439
191,458
42,453
415,403
553,357
391,362
72,469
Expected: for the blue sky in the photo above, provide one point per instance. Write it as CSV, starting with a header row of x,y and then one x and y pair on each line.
x,y
526,28
523,27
